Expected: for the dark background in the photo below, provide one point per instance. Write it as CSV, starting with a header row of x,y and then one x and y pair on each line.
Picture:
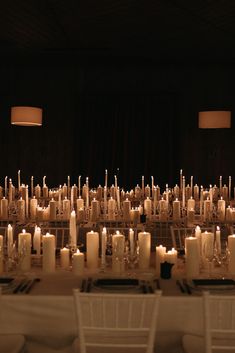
x,y
113,99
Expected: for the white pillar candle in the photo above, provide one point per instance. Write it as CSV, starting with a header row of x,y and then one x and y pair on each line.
x,y
33,208
171,256
66,208
39,213
225,193
37,191
21,209
64,258
126,210
142,189
196,192
207,244
73,229
78,263
24,250
132,241
134,215
221,210
10,192
118,244
99,193
111,209
191,204
176,191
144,239
148,207
4,208
183,192
81,215
137,192
190,217
9,240
80,203
19,181
95,210
87,192
229,187
176,210
64,191
160,252
198,235
1,254
147,191
231,248
188,192
163,210
103,246
52,208
92,249
207,210
218,240
48,251
37,240
105,202
32,188
192,257
45,191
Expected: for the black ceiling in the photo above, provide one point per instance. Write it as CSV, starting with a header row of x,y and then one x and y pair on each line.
x,y
171,30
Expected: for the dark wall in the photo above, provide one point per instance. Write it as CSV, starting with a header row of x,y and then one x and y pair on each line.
x,y
133,119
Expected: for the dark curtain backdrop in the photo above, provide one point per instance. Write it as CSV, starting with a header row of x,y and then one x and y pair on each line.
x,y
129,135
131,119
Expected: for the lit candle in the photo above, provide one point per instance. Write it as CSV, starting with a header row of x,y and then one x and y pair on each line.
x,y
9,240
45,191
183,194
152,182
44,181
111,209
148,207
38,191
5,186
144,239
78,263
198,235
103,246
191,204
95,210
221,209
160,252
19,181
106,178
66,208
92,248
143,185
207,244
87,192
37,240
118,244
126,210
176,210
32,186
24,250
73,229
218,240
105,202
48,250
132,241
229,187
220,185
52,209
10,194
21,209
4,208
64,258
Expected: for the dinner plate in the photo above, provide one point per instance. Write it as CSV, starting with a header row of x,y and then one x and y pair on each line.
x,y
116,283
214,283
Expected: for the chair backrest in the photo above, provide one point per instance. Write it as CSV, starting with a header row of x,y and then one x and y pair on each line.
x,y
219,313
116,320
178,234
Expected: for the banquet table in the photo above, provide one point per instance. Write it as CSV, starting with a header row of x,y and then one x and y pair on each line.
x,y
46,314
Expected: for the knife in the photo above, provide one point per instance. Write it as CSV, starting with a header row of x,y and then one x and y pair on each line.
x,y
31,284
180,286
188,289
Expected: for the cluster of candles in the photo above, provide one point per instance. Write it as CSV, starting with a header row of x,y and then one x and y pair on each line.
x,y
111,203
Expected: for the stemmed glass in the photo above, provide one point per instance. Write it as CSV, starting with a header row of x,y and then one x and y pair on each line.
x,y
208,254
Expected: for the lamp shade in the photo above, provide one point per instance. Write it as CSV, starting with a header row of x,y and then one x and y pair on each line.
x,y
217,119
26,116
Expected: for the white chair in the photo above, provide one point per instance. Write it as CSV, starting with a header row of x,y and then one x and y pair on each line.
x,y
11,343
116,321
219,326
